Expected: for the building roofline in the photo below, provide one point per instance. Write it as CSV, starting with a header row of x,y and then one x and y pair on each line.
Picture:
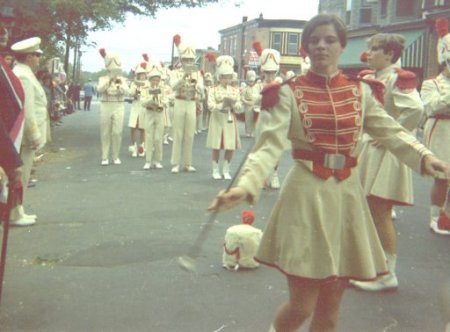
x,y
268,23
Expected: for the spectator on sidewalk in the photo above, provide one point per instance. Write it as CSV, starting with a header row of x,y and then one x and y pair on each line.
x,y
28,54
89,92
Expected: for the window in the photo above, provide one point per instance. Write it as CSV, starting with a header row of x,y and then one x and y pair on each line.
x,y
293,43
405,8
430,4
365,15
383,8
348,15
233,46
276,41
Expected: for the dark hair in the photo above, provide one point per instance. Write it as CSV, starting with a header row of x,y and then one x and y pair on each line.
x,y
389,42
324,19
21,57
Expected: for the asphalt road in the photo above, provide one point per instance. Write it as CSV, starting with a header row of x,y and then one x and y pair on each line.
x,y
103,254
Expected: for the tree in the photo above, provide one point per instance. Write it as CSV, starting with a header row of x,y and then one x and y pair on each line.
x,y
64,25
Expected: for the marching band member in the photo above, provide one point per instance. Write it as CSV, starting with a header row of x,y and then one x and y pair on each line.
x,y
113,88
154,101
187,84
387,182
320,232
223,102
270,65
168,110
136,112
251,100
200,109
436,98
209,82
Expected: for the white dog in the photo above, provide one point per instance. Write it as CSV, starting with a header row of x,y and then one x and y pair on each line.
x,y
241,243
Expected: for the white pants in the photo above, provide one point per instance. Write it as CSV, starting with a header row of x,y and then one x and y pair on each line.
x,y
154,130
249,121
111,126
183,126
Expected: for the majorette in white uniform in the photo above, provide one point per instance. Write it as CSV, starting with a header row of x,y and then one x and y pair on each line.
x,y
310,223
113,88
436,98
241,244
154,102
223,102
381,172
187,85
251,100
137,111
385,180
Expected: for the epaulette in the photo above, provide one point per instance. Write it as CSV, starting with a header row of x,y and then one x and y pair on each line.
x,y
376,86
365,72
406,79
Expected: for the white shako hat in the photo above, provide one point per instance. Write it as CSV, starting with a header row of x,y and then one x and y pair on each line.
x,y
185,50
30,45
289,74
208,77
112,61
140,68
154,70
250,75
270,60
225,64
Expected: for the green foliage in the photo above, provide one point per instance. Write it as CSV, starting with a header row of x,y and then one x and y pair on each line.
x,y
66,24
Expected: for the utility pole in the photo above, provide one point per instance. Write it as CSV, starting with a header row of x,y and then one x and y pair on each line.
x,y
242,48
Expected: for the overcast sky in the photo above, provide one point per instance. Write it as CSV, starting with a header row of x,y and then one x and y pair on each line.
x,y
198,26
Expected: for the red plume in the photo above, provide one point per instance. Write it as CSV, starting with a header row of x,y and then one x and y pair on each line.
x,y
363,56
145,56
441,25
177,39
210,56
102,52
143,65
257,47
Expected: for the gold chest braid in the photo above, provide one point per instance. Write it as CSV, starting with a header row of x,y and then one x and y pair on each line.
x,y
330,111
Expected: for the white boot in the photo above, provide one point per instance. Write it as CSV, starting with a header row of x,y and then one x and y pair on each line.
x,y
133,149
272,328
215,171
141,150
226,170
383,283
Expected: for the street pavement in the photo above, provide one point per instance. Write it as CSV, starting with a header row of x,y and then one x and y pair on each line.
x,y
103,254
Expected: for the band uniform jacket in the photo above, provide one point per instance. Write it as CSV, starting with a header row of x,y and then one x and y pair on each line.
x,y
36,115
382,174
223,132
320,226
436,99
